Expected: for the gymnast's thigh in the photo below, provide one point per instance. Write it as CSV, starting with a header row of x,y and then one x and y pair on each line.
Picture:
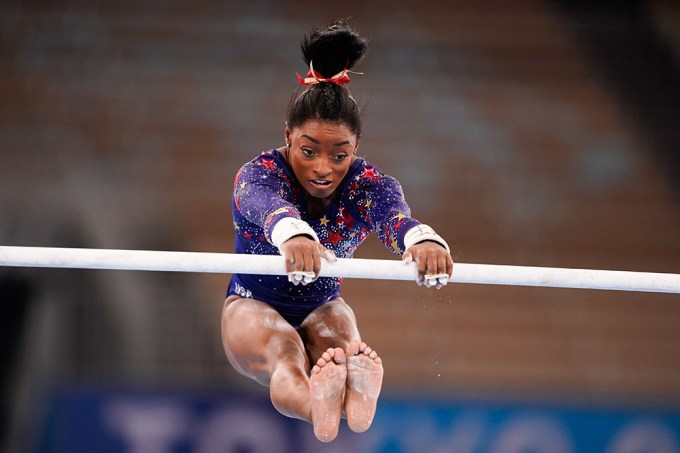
x,y
256,338
331,325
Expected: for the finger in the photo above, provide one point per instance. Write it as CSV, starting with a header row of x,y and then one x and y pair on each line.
x,y
290,261
294,278
442,268
436,279
316,265
433,271
307,272
441,263
329,256
423,266
294,265
430,282
408,258
303,277
309,276
301,260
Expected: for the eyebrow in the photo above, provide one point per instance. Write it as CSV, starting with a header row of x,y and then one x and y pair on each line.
x,y
312,139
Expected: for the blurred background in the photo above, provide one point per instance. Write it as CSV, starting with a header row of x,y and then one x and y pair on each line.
x,y
532,132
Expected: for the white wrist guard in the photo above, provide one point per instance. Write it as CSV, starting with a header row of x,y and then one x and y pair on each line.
x,y
288,227
422,233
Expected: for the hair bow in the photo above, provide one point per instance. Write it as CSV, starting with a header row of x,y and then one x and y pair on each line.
x,y
314,77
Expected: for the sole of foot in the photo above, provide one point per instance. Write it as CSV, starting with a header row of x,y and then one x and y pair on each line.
x,y
327,386
364,381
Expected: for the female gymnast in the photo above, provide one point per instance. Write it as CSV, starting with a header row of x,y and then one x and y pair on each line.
x,y
314,199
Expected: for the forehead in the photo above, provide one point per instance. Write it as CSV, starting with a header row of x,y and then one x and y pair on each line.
x,y
320,130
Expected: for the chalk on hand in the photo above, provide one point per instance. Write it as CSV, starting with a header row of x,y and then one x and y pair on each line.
x,y
301,276
434,279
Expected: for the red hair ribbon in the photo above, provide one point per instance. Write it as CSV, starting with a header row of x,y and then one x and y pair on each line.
x,y
314,77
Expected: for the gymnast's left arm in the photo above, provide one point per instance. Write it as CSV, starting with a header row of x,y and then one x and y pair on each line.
x,y
388,214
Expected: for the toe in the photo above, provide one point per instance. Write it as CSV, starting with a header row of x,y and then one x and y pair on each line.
x,y
353,348
339,356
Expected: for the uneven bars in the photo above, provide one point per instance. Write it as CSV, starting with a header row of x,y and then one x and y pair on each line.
x,y
490,274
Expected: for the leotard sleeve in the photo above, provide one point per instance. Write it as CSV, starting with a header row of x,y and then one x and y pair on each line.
x,y
262,191
382,206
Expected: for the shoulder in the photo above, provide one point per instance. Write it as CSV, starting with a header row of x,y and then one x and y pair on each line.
x,y
365,172
270,159
268,163
366,176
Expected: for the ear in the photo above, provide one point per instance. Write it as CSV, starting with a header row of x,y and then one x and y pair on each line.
x,y
356,147
286,134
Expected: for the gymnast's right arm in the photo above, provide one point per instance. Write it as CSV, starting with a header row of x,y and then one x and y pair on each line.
x,y
260,196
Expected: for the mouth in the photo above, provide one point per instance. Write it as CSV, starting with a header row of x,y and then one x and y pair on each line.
x,y
320,182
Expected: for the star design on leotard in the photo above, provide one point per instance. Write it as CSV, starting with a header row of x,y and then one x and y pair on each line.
x,y
345,220
348,221
334,238
268,164
323,220
395,246
352,188
369,172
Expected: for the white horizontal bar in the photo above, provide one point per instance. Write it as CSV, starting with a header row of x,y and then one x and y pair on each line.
x,y
489,274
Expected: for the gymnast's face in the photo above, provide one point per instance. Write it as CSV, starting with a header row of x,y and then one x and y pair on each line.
x,y
320,155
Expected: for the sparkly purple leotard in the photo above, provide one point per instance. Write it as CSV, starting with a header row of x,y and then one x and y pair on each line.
x,y
266,190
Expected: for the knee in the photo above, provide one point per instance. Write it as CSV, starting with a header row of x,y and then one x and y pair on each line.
x,y
288,352
334,319
241,328
337,310
243,317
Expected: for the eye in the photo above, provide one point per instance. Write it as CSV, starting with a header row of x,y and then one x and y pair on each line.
x,y
307,152
340,157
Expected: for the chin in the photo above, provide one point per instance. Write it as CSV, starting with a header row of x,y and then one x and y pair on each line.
x,y
320,193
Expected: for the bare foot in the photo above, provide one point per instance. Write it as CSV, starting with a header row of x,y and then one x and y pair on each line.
x,y
364,380
326,387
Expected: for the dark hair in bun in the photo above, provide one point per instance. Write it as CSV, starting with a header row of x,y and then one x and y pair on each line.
x,y
329,51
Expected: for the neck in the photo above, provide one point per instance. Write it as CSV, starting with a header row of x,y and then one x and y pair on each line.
x,y
316,206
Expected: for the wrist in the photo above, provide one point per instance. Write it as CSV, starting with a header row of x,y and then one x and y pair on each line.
x,y
422,233
289,227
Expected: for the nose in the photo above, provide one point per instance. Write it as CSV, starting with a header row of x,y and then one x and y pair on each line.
x,y
322,168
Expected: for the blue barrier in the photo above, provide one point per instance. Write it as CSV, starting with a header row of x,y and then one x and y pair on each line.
x,y
117,421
